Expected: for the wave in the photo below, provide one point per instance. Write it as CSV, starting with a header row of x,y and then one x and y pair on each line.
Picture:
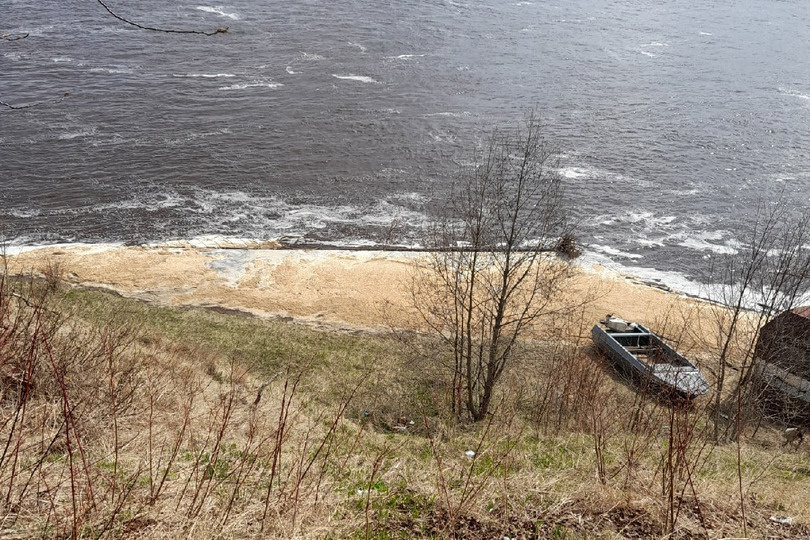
x,y
649,219
406,56
289,70
361,47
358,78
76,134
311,56
450,114
663,279
575,173
613,252
203,75
254,84
116,70
584,171
219,10
794,93
702,243
22,213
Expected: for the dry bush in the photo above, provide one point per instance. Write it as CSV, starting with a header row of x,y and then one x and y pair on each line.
x,y
108,432
104,435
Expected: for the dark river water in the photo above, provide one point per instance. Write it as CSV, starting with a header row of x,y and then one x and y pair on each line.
x,y
336,122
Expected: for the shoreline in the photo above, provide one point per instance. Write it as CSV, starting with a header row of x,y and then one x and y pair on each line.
x,y
668,281
341,288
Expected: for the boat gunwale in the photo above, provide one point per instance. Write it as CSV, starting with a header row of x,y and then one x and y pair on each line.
x,y
606,339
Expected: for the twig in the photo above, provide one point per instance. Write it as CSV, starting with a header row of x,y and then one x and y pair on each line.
x,y
29,105
168,31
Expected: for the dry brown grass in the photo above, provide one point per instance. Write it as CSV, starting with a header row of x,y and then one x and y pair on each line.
x,y
122,420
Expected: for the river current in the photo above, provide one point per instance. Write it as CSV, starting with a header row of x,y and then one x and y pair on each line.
x,y
336,123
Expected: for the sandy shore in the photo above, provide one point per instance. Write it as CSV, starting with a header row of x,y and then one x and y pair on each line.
x,y
356,288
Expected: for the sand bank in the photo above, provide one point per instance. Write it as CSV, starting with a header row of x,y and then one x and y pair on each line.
x,y
357,288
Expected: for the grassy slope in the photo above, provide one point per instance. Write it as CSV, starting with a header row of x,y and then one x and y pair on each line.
x,y
351,438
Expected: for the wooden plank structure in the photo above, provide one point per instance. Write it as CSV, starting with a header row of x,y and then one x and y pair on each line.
x,y
781,373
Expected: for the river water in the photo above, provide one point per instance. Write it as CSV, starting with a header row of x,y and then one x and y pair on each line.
x,y
336,122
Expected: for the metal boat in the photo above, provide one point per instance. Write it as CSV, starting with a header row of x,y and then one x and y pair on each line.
x,y
643,355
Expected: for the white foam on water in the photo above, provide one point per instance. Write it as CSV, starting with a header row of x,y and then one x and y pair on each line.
x,y
204,75
648,242
311,56
219,10
359,46
23,213
406,56
111,70
650,220
793,93
15,56
410,196
254,84
359,78
613,252
646,53
13,248
706,34
62,60
575,173
600,264
451,114
271,215
580,171
289,70
34,31
708,241
76,134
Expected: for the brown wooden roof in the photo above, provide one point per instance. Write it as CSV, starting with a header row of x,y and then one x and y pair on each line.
x,y
803,311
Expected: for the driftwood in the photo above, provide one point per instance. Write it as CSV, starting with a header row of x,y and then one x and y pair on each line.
x,y
11,37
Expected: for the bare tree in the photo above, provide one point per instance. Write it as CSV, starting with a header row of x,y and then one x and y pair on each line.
x,y
490,274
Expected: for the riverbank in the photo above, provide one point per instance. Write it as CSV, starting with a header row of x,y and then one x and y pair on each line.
x,y
196,423
355,288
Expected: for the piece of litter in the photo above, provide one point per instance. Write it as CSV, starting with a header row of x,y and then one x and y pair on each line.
x,y
782,520
469,453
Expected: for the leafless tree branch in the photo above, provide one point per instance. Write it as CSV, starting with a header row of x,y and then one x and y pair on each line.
x,y
487,278
168,31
